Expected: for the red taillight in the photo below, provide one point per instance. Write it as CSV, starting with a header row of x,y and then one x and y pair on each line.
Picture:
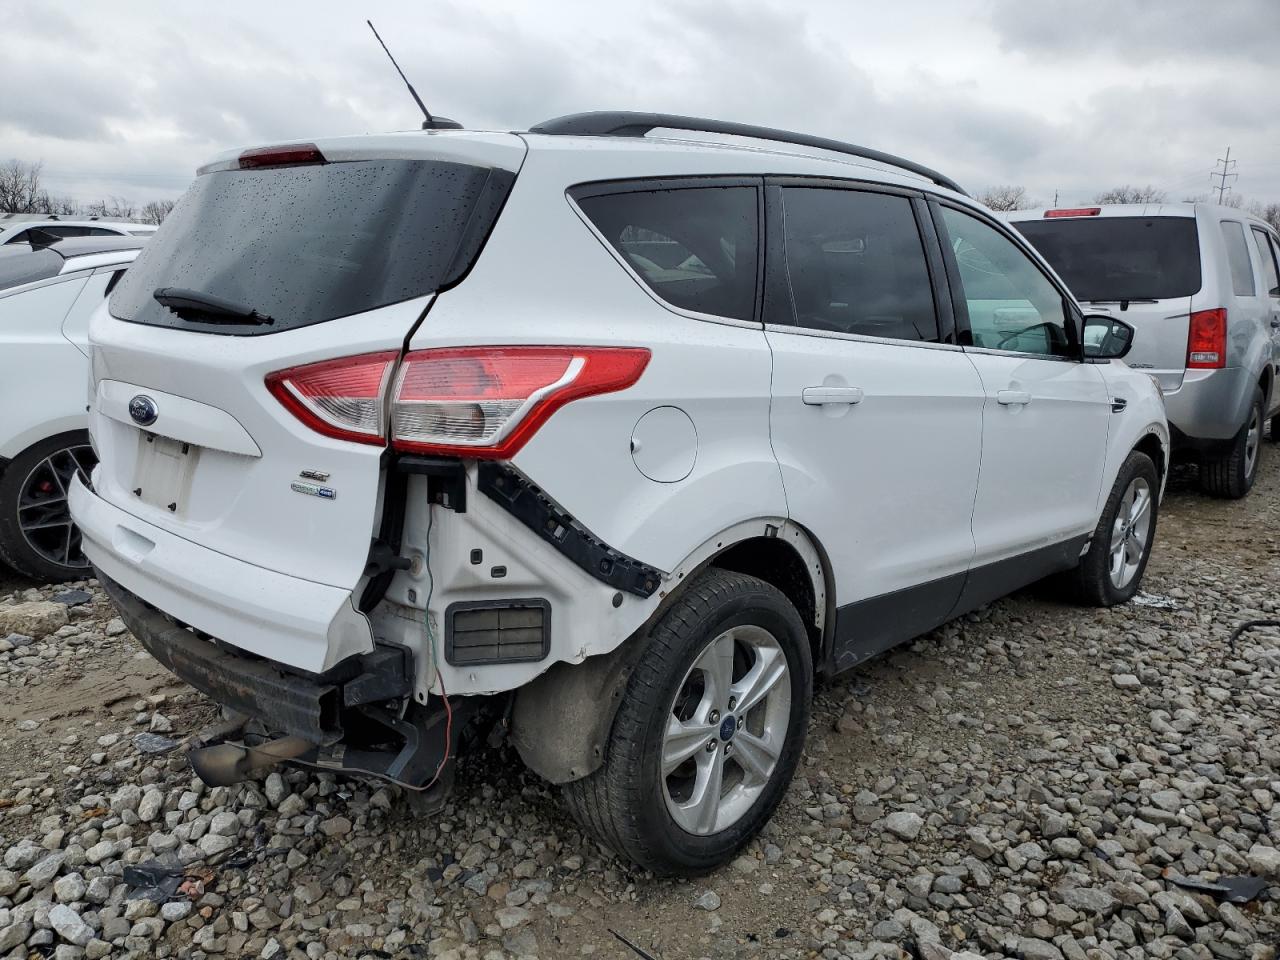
x,y
290,155
1073,212
1207,340
488,401
345,398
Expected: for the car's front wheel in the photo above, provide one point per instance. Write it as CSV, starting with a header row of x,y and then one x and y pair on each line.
x,y
37,537
709,731
1111,570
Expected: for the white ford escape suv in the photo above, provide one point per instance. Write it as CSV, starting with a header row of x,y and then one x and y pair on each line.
x,y
611,440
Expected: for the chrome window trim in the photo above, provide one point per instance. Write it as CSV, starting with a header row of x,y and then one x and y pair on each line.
x,y
666,305
993,352
46,282
856,337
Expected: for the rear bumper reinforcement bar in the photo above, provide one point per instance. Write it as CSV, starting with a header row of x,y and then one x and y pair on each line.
x,y
293,702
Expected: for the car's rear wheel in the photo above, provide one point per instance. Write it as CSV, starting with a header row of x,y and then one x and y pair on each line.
x,y
709,731
1231,475
37,536
1111,571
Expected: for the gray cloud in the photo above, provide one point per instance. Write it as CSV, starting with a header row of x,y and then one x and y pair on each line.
x,y
1111,92
1186,30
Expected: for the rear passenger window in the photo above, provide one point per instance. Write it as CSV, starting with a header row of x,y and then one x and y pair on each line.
x,y
1266,255
695,247
857,265
1238,258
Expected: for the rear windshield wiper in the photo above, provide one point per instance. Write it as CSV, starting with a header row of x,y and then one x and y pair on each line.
x,y
194,305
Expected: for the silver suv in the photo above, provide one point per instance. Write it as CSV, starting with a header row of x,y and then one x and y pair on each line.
x,y
1200,284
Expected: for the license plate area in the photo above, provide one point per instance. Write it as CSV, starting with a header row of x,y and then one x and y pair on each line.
x,y
163,474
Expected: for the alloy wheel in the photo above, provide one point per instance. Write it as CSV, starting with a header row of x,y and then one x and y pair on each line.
x,y
44,513
726,729
1129,532
1252,439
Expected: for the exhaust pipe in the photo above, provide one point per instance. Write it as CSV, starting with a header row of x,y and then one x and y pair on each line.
x,y
222,764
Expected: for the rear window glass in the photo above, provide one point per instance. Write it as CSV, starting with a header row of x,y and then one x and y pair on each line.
x,y
695,247
307,244
1238,258
1120,258
21,265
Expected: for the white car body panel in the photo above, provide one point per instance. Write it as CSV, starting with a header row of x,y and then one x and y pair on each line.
x,y
1035,493
43,351
921,407
309,625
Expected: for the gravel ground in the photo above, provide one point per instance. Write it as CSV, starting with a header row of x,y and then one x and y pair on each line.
x,y
1020,783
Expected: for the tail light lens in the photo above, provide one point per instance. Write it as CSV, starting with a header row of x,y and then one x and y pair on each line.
x,y
345,398
1207,340
488,401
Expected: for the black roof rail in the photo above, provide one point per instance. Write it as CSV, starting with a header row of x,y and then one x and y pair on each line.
x,y
625,123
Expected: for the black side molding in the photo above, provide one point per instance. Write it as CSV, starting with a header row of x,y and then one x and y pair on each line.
x,y
527,503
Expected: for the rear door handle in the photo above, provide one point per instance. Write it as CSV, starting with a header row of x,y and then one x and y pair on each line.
x,y
819,396
1011,397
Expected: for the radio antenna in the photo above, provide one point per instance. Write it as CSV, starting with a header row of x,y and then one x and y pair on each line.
x,y
430,123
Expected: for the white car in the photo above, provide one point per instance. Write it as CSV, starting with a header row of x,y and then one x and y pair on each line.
x,y
46,298
616,440
19,228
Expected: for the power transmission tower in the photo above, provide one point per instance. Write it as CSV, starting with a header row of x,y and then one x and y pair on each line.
x,y
1224,174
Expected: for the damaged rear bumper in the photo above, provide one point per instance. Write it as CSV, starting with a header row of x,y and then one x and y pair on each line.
x,y
358,717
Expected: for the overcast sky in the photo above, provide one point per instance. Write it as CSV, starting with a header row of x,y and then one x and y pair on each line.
x,y
128,98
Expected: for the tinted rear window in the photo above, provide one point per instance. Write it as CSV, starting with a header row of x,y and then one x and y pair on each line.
x,y
1121,258
21,265
307,244
694,247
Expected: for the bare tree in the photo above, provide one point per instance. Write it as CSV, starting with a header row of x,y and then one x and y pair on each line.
x,y
62,206
154,211
1271,213
113,208
1128,194
20,190
1006,197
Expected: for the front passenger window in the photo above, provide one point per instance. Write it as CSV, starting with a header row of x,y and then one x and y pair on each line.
x,y
1012,305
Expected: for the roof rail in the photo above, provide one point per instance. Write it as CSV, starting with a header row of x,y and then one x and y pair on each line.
x,y
624,123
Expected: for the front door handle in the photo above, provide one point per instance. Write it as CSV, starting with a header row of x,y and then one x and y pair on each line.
x,y
1011,397
820,396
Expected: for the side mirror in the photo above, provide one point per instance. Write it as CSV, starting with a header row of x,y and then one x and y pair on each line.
x,y
1105,337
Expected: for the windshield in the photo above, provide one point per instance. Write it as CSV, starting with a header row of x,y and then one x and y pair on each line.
x,y
307,244
1120,258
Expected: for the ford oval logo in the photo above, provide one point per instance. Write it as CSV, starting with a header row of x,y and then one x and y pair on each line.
x,y
143,410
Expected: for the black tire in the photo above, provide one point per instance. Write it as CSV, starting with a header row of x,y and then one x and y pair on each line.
x,y
16,550
1274,436
1231,475
1091,581
623,803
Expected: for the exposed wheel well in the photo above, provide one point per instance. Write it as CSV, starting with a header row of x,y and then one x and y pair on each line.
x,y
1153,448
1265,382
776,562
